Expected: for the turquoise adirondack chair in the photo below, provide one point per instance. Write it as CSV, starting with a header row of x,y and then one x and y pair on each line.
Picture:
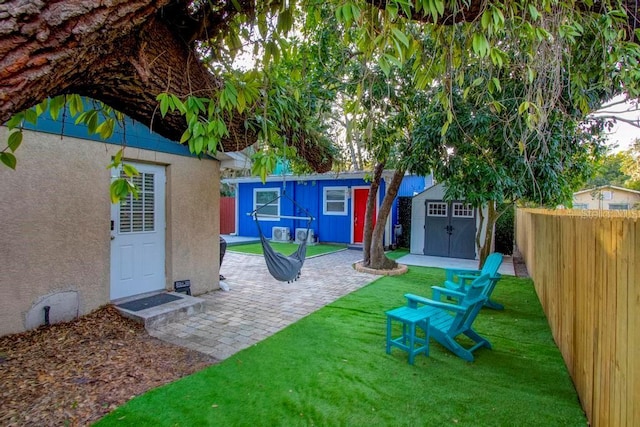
x,y
458,280
447,321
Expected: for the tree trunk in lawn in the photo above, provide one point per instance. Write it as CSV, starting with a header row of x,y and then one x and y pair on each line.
x,y
368,217
123,53
379,260
487,243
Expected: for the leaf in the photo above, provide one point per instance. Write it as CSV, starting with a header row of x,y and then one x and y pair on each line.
x,y
485,20
178,104
105,129
31,116
117,159
118,190
355,11
347,14
496,83
384,65
444,129
15,120
14,140
440,6
42,107
185,136
480,44
55,106
130,170
399,35
164,103
8,159
75,104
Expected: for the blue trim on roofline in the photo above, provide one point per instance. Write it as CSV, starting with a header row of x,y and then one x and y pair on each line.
x,y
134,134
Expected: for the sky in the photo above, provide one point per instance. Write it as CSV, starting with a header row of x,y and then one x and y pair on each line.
x,y
622,134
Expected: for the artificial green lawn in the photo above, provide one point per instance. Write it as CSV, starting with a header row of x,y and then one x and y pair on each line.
x,y
331,368
286,248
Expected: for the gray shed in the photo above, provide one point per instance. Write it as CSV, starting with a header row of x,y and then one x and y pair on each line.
x,y
441,228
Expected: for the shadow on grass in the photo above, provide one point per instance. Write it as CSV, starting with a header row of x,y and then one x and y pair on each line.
x,y
287,248
331,368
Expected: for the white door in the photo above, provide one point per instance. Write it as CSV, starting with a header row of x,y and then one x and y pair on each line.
x,y
138,236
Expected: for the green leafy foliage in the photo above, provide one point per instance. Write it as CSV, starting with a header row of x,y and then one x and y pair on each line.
x,y
8,159
99,119
122,186
505,230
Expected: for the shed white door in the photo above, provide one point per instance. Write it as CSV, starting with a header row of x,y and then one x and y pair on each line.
x,y
138,236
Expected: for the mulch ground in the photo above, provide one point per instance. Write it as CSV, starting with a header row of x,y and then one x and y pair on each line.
x,y
519,266
72,374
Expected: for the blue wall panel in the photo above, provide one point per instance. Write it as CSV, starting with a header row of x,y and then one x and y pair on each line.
x,y
335,228
309,195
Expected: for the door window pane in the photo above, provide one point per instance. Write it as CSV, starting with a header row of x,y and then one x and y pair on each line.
x,y
436,209
462,210
138,214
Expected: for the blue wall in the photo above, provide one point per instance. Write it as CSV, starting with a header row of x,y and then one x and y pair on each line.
x,y
308,194
411,185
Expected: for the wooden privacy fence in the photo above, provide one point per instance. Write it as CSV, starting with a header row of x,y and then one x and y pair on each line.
x,y
586,270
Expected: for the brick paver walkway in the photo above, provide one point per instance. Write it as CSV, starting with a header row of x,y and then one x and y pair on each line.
x,y
257,306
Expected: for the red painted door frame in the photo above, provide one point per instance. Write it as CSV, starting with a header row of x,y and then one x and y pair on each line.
x,y
359,198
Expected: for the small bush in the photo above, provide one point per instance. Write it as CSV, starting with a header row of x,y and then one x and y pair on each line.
x,y
505,231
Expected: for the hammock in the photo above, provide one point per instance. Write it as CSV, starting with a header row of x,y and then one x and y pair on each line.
x,y
283,268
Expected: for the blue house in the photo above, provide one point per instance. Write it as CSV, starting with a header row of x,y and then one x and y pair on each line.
x,y
336,201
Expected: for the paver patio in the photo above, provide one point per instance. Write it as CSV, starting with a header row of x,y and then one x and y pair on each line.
x,y
257,306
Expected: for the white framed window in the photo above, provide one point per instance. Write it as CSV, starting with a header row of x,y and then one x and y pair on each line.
x,y
334,200
607,195
137,215
581,206
462,210
266,199
437,209
618,206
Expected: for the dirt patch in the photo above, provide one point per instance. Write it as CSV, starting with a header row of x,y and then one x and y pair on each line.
x,y
74,373
519,266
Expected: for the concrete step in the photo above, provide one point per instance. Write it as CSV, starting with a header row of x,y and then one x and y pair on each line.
x,y
168,312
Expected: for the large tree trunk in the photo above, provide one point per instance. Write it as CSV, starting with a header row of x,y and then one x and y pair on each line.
x,y
486,244
368,218
122,52
379,260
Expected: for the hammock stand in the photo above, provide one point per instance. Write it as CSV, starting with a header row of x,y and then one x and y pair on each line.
x,y
283,268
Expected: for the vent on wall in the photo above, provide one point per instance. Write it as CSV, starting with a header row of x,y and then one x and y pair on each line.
x,y
302,235
280,234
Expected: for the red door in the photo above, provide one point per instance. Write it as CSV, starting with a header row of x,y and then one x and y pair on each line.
x,y
360,196
227,215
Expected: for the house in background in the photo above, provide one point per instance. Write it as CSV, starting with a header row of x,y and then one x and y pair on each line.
x,y
607,197
65,246
337,201
441,228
